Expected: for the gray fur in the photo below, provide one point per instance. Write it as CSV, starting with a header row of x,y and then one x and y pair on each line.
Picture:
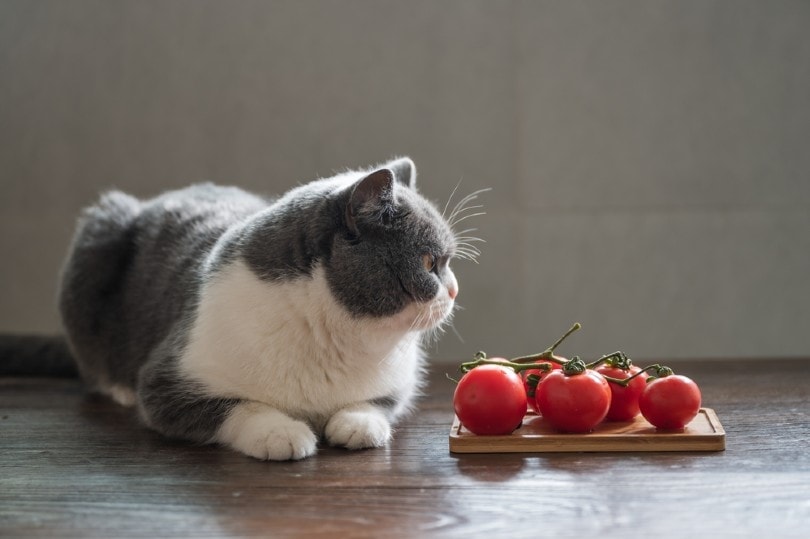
x,y
35,355
133,277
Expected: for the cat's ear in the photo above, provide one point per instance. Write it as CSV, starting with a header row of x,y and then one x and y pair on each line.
x,y
404,171
371,198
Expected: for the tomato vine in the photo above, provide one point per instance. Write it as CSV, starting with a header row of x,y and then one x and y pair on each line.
x,y
543,380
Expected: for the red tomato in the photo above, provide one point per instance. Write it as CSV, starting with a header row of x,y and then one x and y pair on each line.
x,y
623,399
575,403
490,399
530,391
670,402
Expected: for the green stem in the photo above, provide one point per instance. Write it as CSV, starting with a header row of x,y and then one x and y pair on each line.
x,y
548,353
574,367
517,367
616,359
659,370
575,327
545,356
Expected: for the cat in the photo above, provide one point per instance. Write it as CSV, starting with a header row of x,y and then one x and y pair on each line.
x,y
264,325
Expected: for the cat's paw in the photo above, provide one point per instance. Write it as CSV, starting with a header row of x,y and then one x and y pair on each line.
x,y
267,434
121,394
357,428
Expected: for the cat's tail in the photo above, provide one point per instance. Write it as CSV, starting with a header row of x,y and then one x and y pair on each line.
x,y
34,355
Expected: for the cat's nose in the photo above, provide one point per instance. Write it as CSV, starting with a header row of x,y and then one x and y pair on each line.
x,y
452,291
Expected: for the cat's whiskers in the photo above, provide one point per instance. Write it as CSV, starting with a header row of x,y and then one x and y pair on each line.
x,y
438,319
461,209
467,252
464,245
470,253
451,325
457,220
453,192
461,206
465,231
464,209
469,239
416,323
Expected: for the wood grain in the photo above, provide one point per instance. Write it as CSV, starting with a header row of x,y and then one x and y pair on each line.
x,y
535,435
76,465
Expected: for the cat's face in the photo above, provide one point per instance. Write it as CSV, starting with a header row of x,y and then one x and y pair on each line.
x,y
392,259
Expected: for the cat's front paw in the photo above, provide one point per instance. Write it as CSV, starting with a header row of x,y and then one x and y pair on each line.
x,y
357,428
267,434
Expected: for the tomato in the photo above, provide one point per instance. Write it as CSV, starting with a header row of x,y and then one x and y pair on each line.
x,y
670,402
530,390
623,399
490,399
573,403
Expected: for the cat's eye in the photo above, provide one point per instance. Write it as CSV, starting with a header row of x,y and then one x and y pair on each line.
x,y
434,264
428,261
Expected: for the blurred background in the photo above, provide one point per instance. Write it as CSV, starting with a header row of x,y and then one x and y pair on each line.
x,y
648,159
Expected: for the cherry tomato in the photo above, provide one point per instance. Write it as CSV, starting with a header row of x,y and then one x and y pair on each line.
x,y
490,399
530,390
573,403
623,399
670,402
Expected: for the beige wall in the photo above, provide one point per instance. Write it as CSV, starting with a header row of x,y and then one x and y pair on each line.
x,y
649,159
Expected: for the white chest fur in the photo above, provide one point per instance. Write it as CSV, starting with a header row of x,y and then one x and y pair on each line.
x,y
291,346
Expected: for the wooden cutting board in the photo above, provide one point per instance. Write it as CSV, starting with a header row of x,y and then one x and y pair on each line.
x,y
704,433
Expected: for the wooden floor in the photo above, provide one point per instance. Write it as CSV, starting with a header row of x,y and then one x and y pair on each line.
x,y
72,464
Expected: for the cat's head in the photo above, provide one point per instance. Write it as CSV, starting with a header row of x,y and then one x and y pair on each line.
x,y
391,259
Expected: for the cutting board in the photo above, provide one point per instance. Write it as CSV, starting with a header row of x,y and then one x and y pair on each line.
x,y
704,433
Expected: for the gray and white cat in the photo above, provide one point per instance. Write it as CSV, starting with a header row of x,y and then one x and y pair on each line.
x,y
262,325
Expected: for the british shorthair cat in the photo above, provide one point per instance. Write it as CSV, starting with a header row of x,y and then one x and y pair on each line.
x,y
264,325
